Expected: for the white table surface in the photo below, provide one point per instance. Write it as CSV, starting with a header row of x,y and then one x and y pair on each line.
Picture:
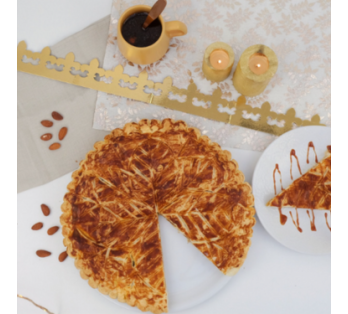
x,y
273,279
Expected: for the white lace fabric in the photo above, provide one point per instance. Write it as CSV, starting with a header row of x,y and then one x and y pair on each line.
x,y
299,32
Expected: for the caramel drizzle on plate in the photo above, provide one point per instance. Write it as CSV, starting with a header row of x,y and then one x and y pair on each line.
x,y
310,144
293,153
327,223
283,218
312,220
297,223
274,181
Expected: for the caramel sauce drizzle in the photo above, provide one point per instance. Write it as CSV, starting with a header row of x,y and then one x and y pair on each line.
x,y
282,217
310,144
274,181
293,153
329,148
313,228
297,223
327,223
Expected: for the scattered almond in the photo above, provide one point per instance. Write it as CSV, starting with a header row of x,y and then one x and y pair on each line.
x,y
52,230
46,136
63,256
47,123
37,226
54,146
57,116
42,253
62,133
45,209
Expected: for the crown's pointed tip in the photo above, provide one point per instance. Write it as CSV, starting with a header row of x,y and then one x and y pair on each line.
x,y
46,50
70,57
95,60
291,112
118,67
266,105
168,80
192,86
22,43
315,119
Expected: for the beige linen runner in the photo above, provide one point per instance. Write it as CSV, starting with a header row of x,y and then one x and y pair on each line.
x,y
37,97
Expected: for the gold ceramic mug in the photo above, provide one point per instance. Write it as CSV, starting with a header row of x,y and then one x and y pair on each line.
x,y
154,52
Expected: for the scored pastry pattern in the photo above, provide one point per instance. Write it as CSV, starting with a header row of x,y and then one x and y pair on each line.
x,y
312,190
110,213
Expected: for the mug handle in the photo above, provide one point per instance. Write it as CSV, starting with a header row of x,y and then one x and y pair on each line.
x,y
175,28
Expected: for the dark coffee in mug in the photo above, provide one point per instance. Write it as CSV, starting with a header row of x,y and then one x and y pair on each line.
x,y
134,33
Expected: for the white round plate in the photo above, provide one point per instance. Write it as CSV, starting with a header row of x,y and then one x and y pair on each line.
x,y
312,242
190,277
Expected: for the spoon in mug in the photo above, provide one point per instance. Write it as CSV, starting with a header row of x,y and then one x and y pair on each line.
x,y
155,12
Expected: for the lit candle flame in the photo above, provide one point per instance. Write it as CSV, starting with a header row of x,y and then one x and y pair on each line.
x,y
219,61
258,65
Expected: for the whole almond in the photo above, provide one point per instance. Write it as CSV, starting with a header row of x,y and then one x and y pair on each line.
x,y
46,136
37,226
62,133
45,209
47,123
63,256
57,116
52,230
42,253
54,146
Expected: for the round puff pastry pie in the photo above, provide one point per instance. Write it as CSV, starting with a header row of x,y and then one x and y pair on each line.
x,y
151,168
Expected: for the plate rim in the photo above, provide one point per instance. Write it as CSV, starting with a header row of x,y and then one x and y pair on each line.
x,y
253,184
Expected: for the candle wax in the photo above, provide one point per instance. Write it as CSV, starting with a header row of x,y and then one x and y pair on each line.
x,y
219,59
258,63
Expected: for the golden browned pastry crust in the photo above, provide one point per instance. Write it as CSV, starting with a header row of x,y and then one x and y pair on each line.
x,y
110,214
312,190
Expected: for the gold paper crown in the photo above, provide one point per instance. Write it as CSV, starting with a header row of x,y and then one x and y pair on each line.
x,y
162,94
